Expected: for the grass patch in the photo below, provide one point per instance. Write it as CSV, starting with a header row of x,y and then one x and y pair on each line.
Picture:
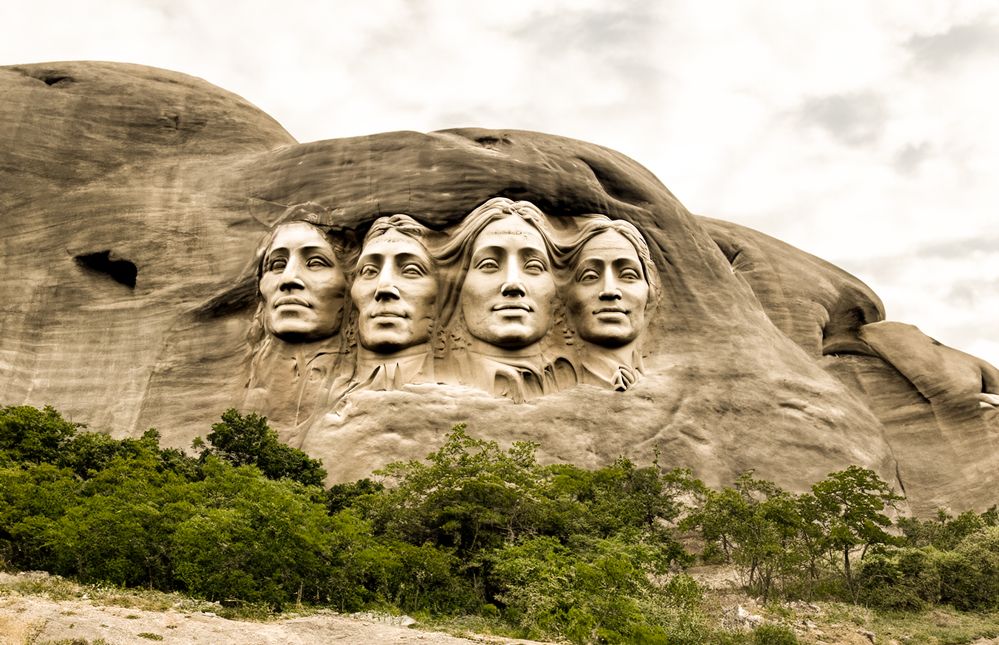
x,y
936,626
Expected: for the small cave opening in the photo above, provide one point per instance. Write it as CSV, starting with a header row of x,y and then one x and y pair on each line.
x,y
55,79
121,271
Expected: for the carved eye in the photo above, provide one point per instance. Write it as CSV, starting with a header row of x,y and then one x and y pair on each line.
x,y
487,265
413,270
318,262
277,264
587,275
535,266
630,275
368,271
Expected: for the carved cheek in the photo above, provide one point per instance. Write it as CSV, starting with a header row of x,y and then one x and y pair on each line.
x,y
639,295
268,287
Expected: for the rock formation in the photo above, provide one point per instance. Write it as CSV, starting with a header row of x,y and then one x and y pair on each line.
x,y
154,225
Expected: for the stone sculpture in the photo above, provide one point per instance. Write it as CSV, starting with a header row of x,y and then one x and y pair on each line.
x,y
395,291
505,291
303,287
749,353
611,283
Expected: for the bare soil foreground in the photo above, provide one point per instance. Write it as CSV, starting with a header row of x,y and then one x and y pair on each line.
x,y
39,609
30,619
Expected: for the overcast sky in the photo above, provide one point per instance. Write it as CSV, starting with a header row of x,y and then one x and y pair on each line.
x,y
866,133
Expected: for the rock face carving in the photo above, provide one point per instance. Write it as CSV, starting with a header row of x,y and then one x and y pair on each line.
x,y
612,282
500,268
395,291
302,283
506,297
748,353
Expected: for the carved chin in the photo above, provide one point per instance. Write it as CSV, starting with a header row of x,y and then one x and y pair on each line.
x,y
300,330
611,339
388,342
510,335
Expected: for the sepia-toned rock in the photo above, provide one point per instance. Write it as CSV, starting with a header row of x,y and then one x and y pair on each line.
x,y
170,251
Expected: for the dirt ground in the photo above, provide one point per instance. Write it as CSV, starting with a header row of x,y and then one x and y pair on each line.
x,y
30,619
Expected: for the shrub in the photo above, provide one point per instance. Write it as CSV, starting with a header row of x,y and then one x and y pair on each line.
x,y
900,578
31,435
247,440
970,574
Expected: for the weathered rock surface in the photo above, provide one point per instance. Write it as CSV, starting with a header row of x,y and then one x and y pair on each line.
x,y
133,200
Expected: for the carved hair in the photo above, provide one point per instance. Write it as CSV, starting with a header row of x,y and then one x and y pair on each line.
x,y
455,255
593,226
319,217
404,224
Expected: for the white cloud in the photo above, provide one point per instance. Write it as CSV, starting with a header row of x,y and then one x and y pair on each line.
x,y
862,132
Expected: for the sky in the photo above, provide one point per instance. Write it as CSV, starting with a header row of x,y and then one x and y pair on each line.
x,y
864,132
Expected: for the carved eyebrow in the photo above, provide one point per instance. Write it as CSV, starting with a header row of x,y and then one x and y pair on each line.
x,y
409,257
377,257
488,250
302,249
535,254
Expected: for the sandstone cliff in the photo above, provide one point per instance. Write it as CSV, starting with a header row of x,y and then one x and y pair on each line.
x,y
133,200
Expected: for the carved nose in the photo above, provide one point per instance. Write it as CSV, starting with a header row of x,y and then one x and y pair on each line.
x,y
386,292
610,294
513,289
291,281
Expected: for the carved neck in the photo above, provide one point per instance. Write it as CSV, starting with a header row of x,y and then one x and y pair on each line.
x,y
477,346
595,355
369,357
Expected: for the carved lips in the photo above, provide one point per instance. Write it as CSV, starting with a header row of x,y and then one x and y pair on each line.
x,y
283,302
513,307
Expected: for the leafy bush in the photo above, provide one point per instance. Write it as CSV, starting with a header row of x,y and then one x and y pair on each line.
x,y
556,551
247,440
900,578
30,435
970,573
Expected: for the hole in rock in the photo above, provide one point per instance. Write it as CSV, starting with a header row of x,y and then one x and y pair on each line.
x,y
490,141
55,79
121,271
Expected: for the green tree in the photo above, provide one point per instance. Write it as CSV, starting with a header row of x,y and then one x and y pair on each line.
x,y
245,440
30,435
970,573
470,496
254,539
848,509
754,524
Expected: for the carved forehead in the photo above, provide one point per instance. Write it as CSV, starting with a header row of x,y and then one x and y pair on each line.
x,y
297,235
511,231
610,245
392,243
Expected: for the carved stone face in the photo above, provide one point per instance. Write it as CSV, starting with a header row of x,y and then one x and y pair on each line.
x,y
507,294
608,292
302,285
395,291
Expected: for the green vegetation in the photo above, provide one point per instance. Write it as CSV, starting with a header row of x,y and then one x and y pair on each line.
x,y
473,531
